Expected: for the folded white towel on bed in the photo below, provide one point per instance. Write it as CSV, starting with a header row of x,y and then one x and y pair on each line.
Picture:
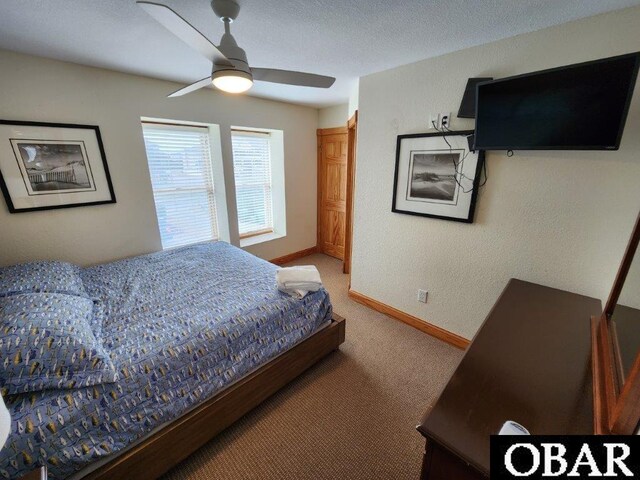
x,y
298,281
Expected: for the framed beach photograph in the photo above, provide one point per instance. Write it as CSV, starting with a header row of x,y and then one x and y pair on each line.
x,y
51,165
437,175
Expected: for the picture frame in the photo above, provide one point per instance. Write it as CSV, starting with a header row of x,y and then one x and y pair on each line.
x,y
437,175
45,166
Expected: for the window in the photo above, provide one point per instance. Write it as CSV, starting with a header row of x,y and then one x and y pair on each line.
x,y
252,172
179,159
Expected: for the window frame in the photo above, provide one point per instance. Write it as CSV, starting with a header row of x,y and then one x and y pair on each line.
x,y
211,188
267,134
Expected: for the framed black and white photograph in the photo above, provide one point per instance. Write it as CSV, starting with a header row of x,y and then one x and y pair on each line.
x,y
437,175
50,165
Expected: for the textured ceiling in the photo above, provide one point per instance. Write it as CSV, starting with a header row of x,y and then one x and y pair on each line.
x,y
343,38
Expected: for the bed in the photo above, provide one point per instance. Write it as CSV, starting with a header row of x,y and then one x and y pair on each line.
x,y
197,337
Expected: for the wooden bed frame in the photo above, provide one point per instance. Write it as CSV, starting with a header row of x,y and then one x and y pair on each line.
x,y
176,441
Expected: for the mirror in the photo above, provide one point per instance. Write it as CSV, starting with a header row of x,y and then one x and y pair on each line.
x,y
625,322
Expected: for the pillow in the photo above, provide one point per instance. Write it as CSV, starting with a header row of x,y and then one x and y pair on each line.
x,y
41,277
46,342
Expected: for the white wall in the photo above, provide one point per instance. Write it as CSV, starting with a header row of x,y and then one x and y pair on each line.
x,y
353,99
556,218
335,116
39,89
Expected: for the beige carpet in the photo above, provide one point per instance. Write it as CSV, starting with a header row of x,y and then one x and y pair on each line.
x,y
352,416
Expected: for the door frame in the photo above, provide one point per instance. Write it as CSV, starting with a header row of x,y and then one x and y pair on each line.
x,y
352,141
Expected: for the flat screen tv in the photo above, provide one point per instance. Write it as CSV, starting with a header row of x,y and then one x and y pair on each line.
x,y
577,107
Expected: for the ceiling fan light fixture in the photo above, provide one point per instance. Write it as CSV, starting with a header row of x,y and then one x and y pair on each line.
x,y
232,81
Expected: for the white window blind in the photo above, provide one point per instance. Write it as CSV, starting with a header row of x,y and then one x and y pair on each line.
x,y
181,175
252,172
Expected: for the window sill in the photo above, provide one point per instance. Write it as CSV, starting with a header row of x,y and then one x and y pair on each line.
x,y
267,237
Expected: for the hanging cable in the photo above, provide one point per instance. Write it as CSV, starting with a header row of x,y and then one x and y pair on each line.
x,y
456,166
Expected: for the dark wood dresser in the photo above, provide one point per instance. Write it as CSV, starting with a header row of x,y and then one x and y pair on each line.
x,y
530,363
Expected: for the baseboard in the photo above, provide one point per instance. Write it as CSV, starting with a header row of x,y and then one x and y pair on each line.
x,y
437,332
294,256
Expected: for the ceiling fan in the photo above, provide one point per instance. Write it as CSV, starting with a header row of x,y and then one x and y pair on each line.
x,y
230,70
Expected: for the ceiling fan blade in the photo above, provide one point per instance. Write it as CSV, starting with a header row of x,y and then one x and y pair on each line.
x,y
191,88
184,31
292,78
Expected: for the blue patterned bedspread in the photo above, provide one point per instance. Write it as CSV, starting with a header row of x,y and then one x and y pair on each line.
x,y
180,326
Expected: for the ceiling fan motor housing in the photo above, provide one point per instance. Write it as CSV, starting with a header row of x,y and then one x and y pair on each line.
x,y
234,53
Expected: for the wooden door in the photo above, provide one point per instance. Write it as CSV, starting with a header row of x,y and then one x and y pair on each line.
x,y
332,191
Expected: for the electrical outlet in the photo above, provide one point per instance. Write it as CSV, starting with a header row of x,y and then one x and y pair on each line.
x,y
440,121
445,119
422,296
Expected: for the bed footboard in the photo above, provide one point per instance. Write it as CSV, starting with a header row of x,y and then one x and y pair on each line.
x,y
185,435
